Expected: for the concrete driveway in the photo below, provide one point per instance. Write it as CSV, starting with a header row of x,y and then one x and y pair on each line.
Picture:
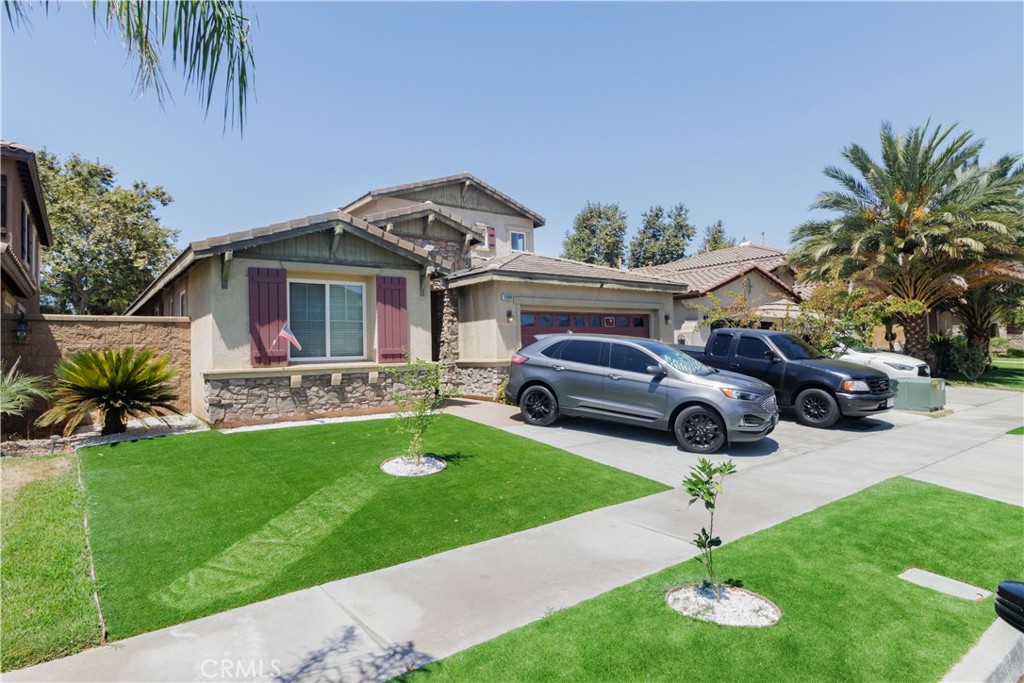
x,y
894,437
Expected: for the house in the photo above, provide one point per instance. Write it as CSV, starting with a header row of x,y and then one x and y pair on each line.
x,y
753,274
24,228
441,269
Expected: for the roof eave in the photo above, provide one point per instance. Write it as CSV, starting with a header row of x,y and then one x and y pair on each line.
x,y
512,276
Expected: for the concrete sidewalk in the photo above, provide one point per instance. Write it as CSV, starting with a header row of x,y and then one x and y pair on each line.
x,y
376,625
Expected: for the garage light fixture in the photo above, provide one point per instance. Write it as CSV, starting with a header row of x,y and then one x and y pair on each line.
x,y
21,330
668,318
509,316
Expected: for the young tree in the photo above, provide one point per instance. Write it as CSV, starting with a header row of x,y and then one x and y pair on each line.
x,y
108,242
715,238
662,238
597,236
209,40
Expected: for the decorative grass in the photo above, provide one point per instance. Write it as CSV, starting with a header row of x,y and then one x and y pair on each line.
x,y
47,609
191,525
833,572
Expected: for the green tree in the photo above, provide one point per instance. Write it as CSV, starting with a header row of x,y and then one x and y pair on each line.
x,y
108,242
597,236
207,40
922,225
715,238
662,237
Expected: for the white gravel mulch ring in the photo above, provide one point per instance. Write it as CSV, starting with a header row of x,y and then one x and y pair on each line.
x,y
406,466
734,607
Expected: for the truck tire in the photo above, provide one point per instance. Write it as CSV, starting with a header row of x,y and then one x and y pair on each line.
x,y
699,430
816,408
538,406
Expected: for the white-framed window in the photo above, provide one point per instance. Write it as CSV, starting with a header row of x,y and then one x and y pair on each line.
x,y
182,303
328,317
517,240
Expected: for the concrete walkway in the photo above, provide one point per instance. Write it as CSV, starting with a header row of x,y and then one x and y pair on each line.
x,y
376,625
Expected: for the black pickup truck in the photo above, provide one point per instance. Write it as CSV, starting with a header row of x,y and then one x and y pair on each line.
x,y
819,389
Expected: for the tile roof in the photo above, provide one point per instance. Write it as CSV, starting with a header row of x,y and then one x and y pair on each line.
x,y
456,179
425,208
705,272
247,238
16,270
530,266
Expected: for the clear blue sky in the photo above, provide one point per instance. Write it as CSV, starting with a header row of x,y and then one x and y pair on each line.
x,y
731,108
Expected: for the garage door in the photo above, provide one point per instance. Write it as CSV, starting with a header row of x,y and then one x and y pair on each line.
x,y
534,323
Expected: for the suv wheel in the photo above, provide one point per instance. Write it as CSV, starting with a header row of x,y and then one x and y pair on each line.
x,y
699,430
816,408
538,406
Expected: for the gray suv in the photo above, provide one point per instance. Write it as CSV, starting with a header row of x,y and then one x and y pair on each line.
x,y
641,382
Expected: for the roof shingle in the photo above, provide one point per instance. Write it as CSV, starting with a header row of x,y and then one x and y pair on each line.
x,y
535,266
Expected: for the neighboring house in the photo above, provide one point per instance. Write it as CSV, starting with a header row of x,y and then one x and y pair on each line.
x,y
24,228
441,269
757,275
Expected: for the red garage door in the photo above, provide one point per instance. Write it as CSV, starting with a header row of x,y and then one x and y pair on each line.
x,y
534,323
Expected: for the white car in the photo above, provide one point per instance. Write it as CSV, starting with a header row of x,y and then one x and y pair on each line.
x,y
893,364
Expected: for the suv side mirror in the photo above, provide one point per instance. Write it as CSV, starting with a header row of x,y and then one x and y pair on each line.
x,y
768,355
656,370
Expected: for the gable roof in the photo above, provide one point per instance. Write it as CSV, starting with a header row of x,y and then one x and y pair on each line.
x,y
768,257
457,179
244,239
522,265
714,269
424,209
28,171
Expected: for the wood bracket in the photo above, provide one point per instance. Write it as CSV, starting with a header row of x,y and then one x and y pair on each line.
x,y
225,268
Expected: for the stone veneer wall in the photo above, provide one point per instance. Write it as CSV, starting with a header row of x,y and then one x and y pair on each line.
x,y
54,337
234,401
478,379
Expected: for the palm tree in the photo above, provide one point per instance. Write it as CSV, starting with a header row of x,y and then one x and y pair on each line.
x,y
116,384
922,226
979,308
209,38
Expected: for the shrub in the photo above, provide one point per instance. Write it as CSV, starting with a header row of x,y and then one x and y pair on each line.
x,y
502,396
970,361
943,346
19,391
705,484
999,345
116,384
419,392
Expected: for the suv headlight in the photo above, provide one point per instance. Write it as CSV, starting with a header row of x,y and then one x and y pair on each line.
x,y
740,394
898,366
855,385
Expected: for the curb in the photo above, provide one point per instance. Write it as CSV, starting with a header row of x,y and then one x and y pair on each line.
x,y
997,657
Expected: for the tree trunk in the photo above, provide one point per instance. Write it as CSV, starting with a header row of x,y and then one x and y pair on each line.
x,y
979,336
915,329
113,423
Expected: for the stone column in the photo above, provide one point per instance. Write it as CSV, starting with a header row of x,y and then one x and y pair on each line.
x,y
449,351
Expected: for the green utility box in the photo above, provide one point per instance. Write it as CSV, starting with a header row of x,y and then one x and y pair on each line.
x,y
925,394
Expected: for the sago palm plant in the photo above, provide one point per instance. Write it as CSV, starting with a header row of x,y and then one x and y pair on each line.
x,y
19,391
115,384
920,227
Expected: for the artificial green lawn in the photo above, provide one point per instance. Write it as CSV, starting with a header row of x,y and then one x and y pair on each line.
x,y
47,609
1017,430
195,524
833,572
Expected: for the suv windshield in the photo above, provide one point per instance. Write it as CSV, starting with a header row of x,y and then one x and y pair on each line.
x,y
679,361
795,348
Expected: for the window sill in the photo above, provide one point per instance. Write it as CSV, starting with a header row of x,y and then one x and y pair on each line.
x,y
314,368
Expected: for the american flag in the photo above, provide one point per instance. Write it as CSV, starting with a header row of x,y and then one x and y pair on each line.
x,y
286,332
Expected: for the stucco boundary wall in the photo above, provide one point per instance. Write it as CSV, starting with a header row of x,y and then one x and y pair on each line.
x,y
54,337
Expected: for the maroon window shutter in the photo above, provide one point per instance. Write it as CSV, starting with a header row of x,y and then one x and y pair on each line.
x,y
392,320
268,312
490,237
